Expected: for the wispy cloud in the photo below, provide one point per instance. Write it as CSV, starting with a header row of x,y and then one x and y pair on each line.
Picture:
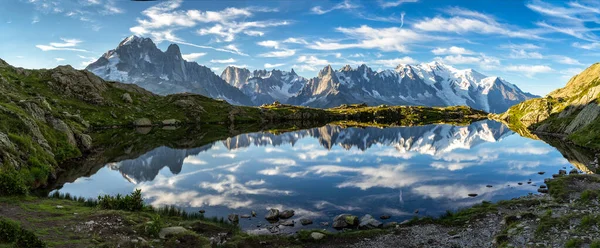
x,y
462,21
394,3
318,10
269,66
451,50
226,24
223,61
66,45
192,56
528,70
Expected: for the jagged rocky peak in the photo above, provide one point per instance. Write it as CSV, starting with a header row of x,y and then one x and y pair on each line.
x,y
327,70
138,60
346,68
235,76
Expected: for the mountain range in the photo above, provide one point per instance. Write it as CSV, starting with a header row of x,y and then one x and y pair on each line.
x,y
137,60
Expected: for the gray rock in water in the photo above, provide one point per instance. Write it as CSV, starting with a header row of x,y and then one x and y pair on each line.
x,y
562,172
472,195
305,222
286,214
317,235
345,221
287,223
543,191
573,172
127,98
202,211
143,122
384,217
273,214
233,218
253,213
368,222
174,230
245,216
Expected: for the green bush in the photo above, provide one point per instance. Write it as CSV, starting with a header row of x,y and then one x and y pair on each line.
x,y
131,202
11,232
153,227
11,183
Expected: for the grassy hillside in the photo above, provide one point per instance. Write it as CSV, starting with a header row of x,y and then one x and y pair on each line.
x,y
571,111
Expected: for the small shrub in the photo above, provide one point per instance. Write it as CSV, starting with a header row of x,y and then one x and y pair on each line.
x,y
574,243
11,183
153,227
131,202
9,230
28,239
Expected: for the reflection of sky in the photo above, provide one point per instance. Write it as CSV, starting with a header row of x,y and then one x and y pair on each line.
x,y
426,172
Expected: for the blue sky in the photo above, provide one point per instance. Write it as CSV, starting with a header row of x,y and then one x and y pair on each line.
x,y
537,45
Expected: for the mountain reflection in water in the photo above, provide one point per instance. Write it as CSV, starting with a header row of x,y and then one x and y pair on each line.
x,y
322,172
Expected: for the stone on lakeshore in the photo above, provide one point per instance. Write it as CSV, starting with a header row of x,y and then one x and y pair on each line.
x,y
174,230
273,214
233,218
368,222
286,214
345,221
305,222
317,235
142,122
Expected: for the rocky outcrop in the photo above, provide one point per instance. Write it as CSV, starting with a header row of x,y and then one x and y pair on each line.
x,y
572,110
138,61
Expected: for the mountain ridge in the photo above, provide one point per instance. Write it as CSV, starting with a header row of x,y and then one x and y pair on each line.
x,y
137,60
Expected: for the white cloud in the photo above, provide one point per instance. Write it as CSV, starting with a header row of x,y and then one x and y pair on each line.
x,y
223,61
528,70
571,19
312,60
395,62
35,20
226,23
295,40
269,43
394,3
570,72
524,46
485,62
66,45
304,67
254,33
467,21
268,66
279,54
451,50
522,54
567,60
59,59
343,5
385,39
192,56
587,46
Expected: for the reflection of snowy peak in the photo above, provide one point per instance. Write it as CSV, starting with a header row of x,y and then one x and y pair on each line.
x,y
147,166
264,86
430,139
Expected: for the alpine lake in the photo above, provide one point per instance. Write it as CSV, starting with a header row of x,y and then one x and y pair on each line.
x,y
400,172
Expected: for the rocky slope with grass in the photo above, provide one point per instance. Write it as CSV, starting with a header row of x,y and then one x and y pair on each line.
x,y
571,111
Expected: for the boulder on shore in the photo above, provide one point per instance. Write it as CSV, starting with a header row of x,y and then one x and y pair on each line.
x,y
345,221
273,214
286,214
368,222
142,122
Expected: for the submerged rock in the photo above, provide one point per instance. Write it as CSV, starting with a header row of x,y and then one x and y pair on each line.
x,y
368,222
305,222
233,218
472,195
384,217
345,221
273,214
286,214
287,223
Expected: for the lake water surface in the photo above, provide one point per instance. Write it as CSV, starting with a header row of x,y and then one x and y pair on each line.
x,y
326,171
